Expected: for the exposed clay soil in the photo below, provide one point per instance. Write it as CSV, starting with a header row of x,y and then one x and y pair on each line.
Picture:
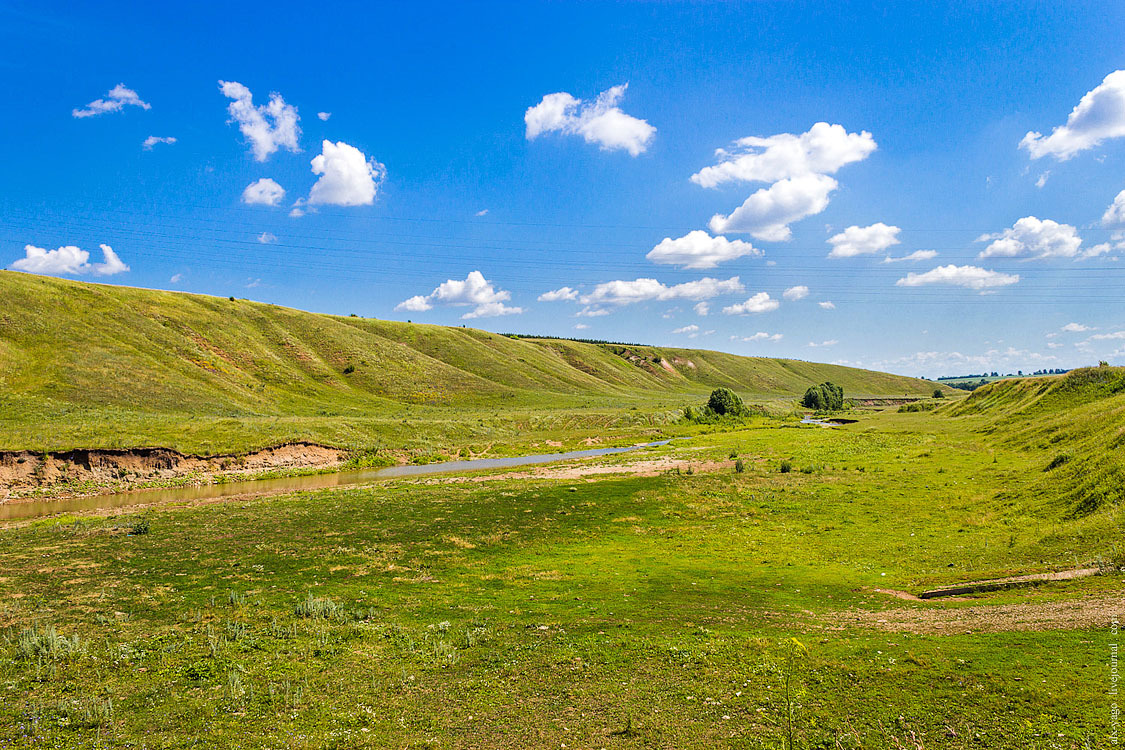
x,y
650,468
1072,614
24,469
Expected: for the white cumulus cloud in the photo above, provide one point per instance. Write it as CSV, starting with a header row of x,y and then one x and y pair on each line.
x,y
827,305
323,116
117,99
347,176
1034,238
795,293
822,150
868,240
152,140
266,238
562,294
1115,214
758,303
1099,115
687,329
829,342
699,250
916,255
763,336
69,260
600,121
646,290
486,300
263,192
702,309
768,212
972,277
1076,328
267,127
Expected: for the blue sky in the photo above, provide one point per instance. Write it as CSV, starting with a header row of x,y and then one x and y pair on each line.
x,y
470,160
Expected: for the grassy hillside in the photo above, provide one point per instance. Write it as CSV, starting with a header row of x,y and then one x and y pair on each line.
x,y
1075,423
88,365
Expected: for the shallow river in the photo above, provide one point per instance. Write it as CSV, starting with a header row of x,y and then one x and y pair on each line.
x,y
24,509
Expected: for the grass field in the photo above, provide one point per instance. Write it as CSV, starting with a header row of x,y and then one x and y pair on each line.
x,y
93,366
690,609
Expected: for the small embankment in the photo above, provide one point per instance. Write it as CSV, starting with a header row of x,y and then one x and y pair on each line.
x,y
25,469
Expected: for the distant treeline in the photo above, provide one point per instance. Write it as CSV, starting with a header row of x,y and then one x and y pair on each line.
x,y
571,338
972,382
994,374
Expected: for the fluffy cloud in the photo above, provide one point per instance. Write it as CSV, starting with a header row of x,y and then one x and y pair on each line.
x,y
797,166
822,150
152,140
268,127
767,214
966,276
1076,328
829,342
763,336
117,99
1115,214
699,250
702,309
759,303
68,260
916,255
263,192
323,116
857,240
692,329
795,293
1100,115
475,290
827,305
600,121
266,238
646,290
563,294
1035,238
347,176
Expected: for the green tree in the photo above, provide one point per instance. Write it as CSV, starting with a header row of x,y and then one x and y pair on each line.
x,y
824,397
938,393
725,401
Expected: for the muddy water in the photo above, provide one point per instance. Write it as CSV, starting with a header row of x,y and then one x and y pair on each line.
x,y
25,509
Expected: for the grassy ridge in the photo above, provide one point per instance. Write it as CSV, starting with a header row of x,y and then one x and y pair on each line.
x,y
88,365
1074,422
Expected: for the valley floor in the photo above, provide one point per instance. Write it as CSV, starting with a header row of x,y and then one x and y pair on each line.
x,y
691,595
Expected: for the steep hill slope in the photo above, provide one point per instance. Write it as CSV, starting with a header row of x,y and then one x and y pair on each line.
x,y
125,356
1074,422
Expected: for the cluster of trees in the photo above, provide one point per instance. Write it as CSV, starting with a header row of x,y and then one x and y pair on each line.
x,y
824,397
722,404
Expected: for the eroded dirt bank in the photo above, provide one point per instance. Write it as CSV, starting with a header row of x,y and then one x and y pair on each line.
x,y
24,469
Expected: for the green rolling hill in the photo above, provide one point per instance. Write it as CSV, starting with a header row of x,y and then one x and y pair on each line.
x,y
90,365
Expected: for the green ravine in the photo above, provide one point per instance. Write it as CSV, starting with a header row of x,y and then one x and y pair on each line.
x,y
694,606
94,366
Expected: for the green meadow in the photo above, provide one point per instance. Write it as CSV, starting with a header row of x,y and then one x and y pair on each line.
x,y
732,589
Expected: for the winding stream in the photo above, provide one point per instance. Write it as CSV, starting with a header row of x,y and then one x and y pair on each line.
x,y
25,509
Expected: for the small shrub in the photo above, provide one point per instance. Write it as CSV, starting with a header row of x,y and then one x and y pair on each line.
x,y
45,644
1057,461
140,528
349,369
315,608
786,466
938,393
739,466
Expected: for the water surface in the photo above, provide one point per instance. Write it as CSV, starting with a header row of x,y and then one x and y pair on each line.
x,y
24,509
